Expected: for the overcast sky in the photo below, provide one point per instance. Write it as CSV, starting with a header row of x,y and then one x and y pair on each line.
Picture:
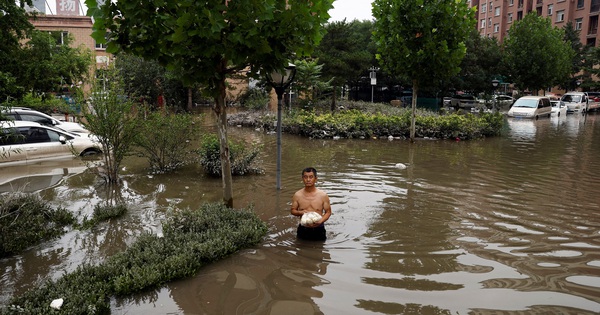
x,y
351,10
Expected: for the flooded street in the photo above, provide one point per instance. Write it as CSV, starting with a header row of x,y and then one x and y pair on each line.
x,y
509,225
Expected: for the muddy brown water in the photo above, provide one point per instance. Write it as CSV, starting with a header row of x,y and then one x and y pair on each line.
x,y
509,225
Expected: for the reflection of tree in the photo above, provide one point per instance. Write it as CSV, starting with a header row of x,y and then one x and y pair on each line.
x,y
253,282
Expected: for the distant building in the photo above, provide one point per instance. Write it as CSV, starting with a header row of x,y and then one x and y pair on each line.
x,y
495,17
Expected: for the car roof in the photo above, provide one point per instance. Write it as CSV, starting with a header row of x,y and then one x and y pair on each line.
x,y
533,97
19,123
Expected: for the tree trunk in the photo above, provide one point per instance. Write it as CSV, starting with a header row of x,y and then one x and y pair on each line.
x,y
189,100
221,114
414,110
333,98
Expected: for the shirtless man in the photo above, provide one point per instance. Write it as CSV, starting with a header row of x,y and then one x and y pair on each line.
x,y
311,199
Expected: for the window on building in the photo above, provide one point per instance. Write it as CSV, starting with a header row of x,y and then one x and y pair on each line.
x,y
510,17
594,7
591,42
511,2
519,15
496,28
578,24
593,28
550,7
490,22
484,8
580,4
482,23
61,37
560,16
101,46
497,11
520,4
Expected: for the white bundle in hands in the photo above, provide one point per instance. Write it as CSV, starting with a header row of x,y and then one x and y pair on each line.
x,y
310,218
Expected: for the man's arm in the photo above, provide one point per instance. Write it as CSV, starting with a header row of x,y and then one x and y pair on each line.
x,y
326,208
294,210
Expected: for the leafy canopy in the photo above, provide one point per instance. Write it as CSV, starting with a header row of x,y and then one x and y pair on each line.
x,y
201,39
536,54
423,39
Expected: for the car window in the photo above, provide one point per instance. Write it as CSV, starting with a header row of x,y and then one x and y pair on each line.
x,y
38,119
37,135
10,136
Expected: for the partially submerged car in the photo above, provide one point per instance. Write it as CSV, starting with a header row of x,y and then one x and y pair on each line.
x,y
531,107
576,102
25,141
28,114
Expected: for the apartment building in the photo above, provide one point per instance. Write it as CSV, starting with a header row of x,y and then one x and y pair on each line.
x,y
495,17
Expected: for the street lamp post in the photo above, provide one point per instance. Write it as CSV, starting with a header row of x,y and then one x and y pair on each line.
x,y
373,76
280,81
495,85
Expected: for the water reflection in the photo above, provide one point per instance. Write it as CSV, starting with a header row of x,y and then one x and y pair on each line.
x,y
505,225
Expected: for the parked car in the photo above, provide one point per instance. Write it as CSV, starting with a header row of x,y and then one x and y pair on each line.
x,y
576,102
28,114
558,108
593,101
531,107
463,101
500,101
25,141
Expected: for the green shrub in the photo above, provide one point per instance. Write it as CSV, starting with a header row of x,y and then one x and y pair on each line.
x,y
383,121
242,157
166,139
26,220
46,105
103,213
191,239
255,99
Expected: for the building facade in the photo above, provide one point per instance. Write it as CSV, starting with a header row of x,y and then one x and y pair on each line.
x,y
495,17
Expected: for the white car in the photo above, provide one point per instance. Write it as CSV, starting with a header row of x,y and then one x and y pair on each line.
x,y
531,107
558,108
576,102
24,141
28,114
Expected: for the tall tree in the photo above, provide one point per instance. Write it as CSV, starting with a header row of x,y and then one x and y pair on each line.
x,y
536,54
480,65
208,41
307,81
577,63
56,65
346,51
423,39
14,26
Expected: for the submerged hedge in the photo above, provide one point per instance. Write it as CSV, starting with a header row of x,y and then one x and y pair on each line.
x,y
355,123
191,239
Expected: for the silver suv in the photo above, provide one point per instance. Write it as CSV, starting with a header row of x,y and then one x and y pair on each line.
x,y
28,114
24,141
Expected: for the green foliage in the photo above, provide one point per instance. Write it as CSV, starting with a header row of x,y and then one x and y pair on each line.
x,y
192,239
15,26
481,64
425,40
44,105
307,81
361,122
165,140
242,158
255,99
103,213
50,64
25,220
536,54
112,119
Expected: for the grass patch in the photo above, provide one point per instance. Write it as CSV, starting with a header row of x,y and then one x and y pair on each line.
x,y
191,239
103,213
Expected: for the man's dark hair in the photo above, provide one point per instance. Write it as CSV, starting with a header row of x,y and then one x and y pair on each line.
x,y
310,170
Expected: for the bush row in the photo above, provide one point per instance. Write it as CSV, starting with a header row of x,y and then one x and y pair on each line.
x,y
191,239
355,123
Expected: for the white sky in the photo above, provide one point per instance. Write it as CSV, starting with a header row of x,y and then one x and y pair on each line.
x,y
351,10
